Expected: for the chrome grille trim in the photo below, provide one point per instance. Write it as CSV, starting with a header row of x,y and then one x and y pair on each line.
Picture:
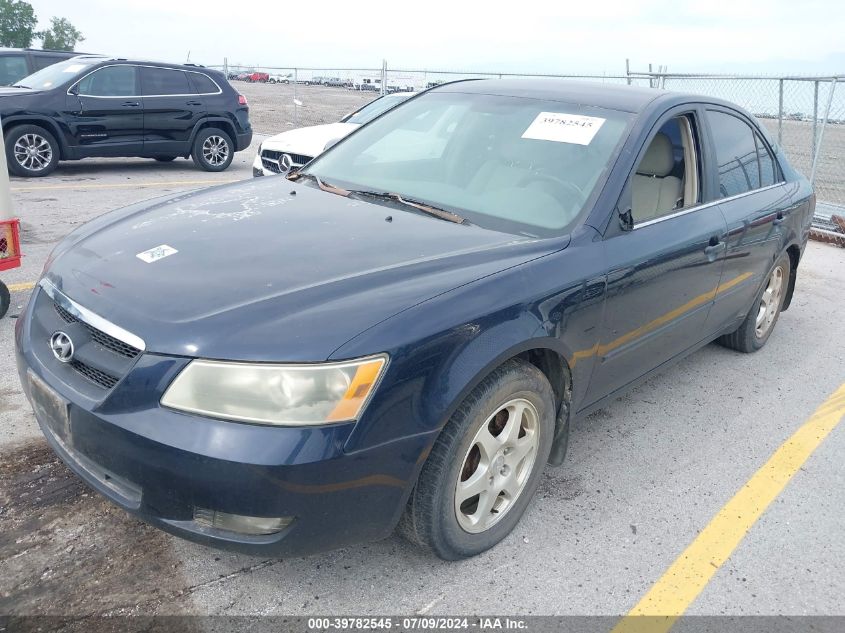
x,y
90,318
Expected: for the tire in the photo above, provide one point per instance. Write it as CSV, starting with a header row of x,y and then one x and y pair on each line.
x,y
457,526
45,158
165,159
5,299
749,337
203,151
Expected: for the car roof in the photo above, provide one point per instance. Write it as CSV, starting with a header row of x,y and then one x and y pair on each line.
x,y
610,96
144,62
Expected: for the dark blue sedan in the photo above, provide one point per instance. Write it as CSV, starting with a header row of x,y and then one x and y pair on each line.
x,y
401,333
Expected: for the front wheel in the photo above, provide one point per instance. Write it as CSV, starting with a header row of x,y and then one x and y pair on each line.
x,y
213,150
485,466
31,151
760,321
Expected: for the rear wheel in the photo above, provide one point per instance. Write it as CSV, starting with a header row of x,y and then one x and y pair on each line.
x,y
760,321
31,151
213,149
485,467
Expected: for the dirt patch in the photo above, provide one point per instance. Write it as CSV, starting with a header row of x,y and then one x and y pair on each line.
x,y
66,551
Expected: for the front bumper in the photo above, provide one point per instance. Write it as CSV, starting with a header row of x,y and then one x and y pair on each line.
x,y
161,465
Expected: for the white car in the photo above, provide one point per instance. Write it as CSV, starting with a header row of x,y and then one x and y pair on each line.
x,y
303,144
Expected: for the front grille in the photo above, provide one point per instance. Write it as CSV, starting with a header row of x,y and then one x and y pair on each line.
x,y
270,160
101,378
105,340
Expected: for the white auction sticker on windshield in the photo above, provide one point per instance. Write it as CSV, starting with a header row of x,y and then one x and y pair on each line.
x,y
157,253
75,68
564,128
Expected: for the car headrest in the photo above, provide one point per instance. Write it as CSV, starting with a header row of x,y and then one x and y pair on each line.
x,y
659,159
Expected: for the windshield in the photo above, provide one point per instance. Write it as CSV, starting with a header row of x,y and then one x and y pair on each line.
x,y
375,108
56,74
515,164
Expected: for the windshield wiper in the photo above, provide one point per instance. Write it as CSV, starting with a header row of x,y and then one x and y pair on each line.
x,y
322,185
21,86
437,212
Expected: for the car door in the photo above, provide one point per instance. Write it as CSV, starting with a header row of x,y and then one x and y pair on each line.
x,y
105,115
664,260
754,200
171,110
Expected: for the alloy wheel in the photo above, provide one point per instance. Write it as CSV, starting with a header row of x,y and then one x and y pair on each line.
x,y
770,302
497,465
215,150
33,152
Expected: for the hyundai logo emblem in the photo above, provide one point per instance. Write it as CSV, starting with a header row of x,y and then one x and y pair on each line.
x,y
286,163
62,347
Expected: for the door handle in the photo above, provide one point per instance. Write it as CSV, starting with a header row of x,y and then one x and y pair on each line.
x,y
714,247
778,219
131,104
193,103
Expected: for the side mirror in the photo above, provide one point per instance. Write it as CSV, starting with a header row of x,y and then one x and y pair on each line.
x,y
626,219
74,89
331,144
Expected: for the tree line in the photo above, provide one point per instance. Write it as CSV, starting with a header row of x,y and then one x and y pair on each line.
x,y
18,23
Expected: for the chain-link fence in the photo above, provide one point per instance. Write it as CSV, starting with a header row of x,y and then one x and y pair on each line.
x,y
805,114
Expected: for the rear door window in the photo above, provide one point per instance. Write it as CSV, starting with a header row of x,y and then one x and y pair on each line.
x,y
736,154
12,68
164,81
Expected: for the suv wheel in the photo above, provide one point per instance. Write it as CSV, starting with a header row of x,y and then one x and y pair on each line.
x,y
213,149
485,466
31,151
5,299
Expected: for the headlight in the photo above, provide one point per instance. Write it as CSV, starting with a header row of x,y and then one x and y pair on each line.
x,y
283,395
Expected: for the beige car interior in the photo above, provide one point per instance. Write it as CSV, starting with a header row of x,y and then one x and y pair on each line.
x,y
655,192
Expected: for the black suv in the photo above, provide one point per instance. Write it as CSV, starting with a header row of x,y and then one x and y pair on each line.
x,y
97,106
17,63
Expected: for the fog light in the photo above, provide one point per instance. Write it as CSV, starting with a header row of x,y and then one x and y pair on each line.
x,y
239,523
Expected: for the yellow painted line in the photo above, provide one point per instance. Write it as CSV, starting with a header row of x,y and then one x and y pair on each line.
x,y
21,287
126,185
687,577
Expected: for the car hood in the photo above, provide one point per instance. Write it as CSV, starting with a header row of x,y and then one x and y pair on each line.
x,y
308,141
8,91
270,270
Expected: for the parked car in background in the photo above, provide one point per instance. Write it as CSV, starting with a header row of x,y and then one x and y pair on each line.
x,y
335,82
404,341
369,84
91,106
280,79
17,63
258,77
294,148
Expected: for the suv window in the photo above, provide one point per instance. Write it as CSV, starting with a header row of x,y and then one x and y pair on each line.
x,y
42,61
202,84
12,68
737,155
111,81
164,81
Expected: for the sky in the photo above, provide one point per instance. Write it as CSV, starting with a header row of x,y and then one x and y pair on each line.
x,y
721,36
